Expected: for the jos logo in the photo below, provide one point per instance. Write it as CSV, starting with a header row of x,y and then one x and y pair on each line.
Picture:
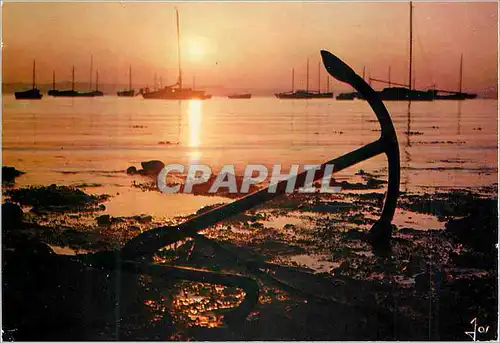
x,y
477,329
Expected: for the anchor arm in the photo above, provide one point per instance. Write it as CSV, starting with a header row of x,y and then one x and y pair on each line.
x,y
150,241
382,229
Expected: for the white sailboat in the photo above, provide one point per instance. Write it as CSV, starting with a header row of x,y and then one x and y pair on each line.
x,y
176,91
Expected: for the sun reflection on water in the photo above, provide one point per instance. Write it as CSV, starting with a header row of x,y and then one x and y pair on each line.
x,y
195,114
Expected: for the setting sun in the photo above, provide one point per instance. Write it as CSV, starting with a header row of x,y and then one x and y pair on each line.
x,y
196,49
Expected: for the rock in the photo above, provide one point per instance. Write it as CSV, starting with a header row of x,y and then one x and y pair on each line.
x,y
479,230
55,198
12,216
423,282
257,225
355,235
416,264
9,174
131,170
105,219
143,219
152,167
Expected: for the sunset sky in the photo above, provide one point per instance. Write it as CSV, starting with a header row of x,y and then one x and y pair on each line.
x,y
253,45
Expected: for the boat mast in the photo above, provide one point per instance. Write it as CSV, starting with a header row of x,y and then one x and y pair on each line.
x,y
97,80
414,74
179,47
411,45
307,82
319,78
363,72
73,79
293,79
130,77
53,80
34,67
91,67
460,75
389,76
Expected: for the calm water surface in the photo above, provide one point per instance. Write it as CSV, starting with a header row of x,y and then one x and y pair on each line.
x,y
444,144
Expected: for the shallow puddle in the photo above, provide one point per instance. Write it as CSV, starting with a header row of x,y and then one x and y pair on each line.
x,y
314,262
67,250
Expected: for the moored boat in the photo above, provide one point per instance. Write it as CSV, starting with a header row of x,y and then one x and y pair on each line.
x,y
455,95
304,94
71,93
130,92
240,96
348,96
176,91
97,92
404,92
31,94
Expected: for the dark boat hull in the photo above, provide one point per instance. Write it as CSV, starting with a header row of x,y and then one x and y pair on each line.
x,y
348,96
455,96
72,94
304,95
405,94
176,94
240,96
129,93
32,94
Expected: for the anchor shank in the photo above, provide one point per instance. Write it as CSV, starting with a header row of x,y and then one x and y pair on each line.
x,y
148,242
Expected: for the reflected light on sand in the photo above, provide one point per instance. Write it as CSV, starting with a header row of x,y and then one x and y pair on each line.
x,y
194,122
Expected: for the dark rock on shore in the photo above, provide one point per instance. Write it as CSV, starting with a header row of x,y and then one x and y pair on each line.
x,y
56,198
152,167
478,231
9,174
131,170
12,216
105,219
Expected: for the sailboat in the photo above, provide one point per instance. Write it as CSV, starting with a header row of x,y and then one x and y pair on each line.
x,y
31,94
97,92
176,91
350,95
404,92
130,92
71,92
304,94
454,95
240,96
53,90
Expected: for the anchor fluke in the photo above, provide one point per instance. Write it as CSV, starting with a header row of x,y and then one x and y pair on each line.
x,y
337,68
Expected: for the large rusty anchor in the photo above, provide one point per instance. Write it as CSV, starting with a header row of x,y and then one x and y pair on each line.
x,y
137,254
